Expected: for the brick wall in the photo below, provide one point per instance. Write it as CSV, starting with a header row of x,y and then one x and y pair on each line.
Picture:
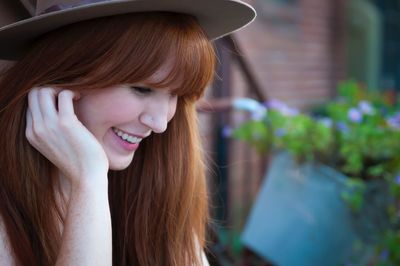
x,y
296,53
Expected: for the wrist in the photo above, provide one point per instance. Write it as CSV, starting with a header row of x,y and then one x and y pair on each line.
x,y
89,185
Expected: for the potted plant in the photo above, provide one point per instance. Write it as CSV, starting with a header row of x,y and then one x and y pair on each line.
x,y
342,163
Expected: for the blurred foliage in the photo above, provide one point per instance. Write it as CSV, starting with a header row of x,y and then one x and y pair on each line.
x,y
358,134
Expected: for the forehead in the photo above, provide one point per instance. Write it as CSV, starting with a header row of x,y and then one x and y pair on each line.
x,y
163,72
166,76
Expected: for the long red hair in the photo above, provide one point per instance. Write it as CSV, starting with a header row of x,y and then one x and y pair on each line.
x,y
159,203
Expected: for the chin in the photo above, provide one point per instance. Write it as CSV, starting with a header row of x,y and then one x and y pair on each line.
x,y
119,165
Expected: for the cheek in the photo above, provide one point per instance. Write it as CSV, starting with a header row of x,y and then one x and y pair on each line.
x,y
82,111
97,118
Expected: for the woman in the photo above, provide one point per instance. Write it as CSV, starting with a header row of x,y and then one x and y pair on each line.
x,y
101,160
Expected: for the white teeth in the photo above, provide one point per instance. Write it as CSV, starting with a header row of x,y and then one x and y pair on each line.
x,y
126,137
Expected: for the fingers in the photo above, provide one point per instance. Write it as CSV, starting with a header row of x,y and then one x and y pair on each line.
x,y
42,104
29,123
47,103
34,106
65,102
43,116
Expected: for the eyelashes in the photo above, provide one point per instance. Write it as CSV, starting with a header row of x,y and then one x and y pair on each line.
x,y
146,91
142,90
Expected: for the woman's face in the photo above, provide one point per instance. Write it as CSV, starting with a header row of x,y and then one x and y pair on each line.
x,y
121,116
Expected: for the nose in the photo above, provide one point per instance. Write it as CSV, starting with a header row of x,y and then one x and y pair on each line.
x,y
155,116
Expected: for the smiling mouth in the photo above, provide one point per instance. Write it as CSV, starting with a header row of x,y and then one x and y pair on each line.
x,y
126,137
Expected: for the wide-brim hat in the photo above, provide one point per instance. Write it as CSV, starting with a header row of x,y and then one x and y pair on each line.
x,y
217,17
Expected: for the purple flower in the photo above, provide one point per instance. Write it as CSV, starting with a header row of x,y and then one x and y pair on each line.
x,y
355,115
326,122
259,113
397,180
342,127
275,104
366,108
282,108
280,132
394,121
227,132
384,255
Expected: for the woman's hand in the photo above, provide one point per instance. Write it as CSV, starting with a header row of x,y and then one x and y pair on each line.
x,y
55,131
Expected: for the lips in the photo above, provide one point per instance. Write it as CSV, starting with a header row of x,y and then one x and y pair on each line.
x,y
124,146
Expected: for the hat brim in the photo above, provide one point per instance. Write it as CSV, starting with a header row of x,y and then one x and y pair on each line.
x,y
217,18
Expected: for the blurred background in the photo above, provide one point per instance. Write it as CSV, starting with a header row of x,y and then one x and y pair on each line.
x,y
296,51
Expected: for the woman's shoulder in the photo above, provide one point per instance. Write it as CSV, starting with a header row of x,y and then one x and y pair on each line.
x,y
6,257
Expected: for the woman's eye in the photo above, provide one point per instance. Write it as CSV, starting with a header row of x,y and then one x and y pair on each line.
x,y
142,90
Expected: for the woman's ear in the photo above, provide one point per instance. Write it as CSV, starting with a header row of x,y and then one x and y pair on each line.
x,y
77,95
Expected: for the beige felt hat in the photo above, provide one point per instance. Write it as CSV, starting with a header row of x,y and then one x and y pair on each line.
x,y
23,20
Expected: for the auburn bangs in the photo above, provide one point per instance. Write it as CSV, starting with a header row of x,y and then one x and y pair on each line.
x,y
175,39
